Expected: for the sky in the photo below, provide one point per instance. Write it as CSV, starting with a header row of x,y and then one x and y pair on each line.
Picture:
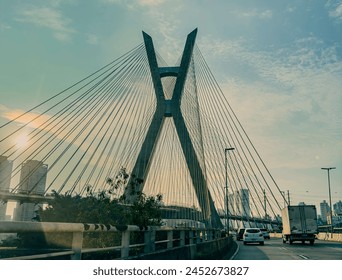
x,y
279,64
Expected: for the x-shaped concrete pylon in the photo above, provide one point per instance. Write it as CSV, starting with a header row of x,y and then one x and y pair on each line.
x,y
171,108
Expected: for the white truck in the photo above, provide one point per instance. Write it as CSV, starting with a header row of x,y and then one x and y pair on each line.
x,y
299,223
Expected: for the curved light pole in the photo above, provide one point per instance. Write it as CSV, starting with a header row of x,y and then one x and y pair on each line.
x,y
331,218
226,188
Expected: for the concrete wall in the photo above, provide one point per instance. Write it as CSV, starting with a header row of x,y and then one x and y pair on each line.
x,y
211,250
327,236
321,236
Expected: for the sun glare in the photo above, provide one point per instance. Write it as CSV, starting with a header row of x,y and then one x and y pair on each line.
x,y
21,141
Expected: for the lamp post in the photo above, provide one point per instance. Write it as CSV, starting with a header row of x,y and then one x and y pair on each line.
x,y
226,188
331,218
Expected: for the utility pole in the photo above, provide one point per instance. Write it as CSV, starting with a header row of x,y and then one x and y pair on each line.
x,y
288,197
226,188
331,217
265,203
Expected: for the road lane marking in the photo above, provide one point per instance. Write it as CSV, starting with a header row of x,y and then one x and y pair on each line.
x,y
304,257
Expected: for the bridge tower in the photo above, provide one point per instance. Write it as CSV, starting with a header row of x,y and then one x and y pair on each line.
x,y
170,108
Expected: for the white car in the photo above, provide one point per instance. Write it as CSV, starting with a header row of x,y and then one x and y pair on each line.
x,y
253,235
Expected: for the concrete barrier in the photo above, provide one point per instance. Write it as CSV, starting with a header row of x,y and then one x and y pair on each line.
x,y
330,237
321,236
209,250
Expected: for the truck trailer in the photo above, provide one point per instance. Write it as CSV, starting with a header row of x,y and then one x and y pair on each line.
x,y
299,223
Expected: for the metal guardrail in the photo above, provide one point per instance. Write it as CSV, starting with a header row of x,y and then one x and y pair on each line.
x,y
327,228
174,237
36,198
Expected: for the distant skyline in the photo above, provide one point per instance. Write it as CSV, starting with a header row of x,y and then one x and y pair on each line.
x,y
279,64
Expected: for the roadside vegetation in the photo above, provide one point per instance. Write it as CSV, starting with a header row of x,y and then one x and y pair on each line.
x,y
103,207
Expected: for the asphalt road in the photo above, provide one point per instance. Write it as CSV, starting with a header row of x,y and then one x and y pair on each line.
x,y
274,249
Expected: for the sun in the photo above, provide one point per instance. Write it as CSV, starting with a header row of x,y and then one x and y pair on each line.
x,y
21,141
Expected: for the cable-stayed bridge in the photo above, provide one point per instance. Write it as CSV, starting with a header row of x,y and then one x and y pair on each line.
x,y
169,126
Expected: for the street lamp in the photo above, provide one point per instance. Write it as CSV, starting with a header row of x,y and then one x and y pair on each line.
x,y
331,218
226,165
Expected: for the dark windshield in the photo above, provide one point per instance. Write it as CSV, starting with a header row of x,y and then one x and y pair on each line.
x,y
253,230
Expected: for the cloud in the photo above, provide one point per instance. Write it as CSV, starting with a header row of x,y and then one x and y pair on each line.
x,y
255,13
4,26
287,100
135,3
3,108
162,17
336,12
150,2
290,9
57,3
92,39
33,120
49,18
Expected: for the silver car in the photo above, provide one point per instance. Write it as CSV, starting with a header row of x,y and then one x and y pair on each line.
x,y
253,235
265,232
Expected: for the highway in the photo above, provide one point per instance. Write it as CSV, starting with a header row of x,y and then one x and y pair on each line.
x,y
274,249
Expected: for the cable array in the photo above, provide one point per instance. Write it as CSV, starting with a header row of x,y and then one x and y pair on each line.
x,y
253,191
87,132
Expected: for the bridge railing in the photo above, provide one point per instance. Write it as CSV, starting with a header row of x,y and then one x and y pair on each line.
x,y
130,240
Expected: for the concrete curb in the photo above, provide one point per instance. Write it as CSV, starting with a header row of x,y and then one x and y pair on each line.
x,y
236,251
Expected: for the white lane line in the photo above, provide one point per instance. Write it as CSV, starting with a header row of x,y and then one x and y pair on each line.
x,y
304,257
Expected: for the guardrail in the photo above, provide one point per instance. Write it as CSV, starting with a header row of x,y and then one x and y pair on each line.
x,y
144,241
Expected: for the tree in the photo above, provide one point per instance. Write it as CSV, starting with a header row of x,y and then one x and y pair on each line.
x,y
97,208
93,208
145,211
101,207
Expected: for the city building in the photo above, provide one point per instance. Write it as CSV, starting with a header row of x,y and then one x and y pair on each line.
x,y
338,208
5,180
325,211
231,204
242,205
32,181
